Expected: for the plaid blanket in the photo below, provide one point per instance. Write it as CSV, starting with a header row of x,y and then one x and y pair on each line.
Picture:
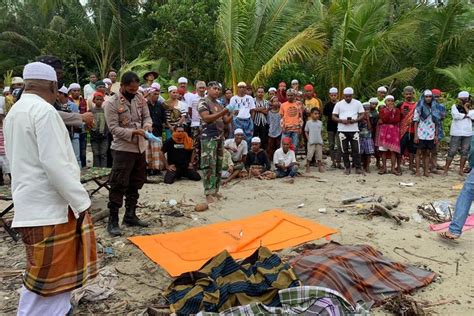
x,y
60,258
153,157
307,300
92,173
223,283
359,272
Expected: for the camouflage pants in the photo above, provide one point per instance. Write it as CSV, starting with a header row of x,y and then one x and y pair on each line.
x,y
212,154
196,134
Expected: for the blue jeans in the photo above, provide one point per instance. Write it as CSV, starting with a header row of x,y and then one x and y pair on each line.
x,y
463,205
76,146
290,172
294,138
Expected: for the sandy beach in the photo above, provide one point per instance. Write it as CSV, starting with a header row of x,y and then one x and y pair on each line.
x,y
140,281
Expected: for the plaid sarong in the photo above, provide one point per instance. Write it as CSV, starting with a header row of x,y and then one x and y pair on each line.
x,y
223,283
359,272
306,300
153,157
60,258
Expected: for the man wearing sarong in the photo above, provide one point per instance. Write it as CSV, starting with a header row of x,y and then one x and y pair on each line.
x,y
51,205
128,118
407,128
214,117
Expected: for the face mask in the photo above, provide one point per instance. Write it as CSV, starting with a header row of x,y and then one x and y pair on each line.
x,y
129,96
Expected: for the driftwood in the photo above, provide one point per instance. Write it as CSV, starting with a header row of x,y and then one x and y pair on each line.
x,y
96,217
377,209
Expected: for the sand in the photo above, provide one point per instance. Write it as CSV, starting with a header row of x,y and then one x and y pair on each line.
x,y
141,281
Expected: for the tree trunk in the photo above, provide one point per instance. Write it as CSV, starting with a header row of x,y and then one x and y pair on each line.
x,y
120,35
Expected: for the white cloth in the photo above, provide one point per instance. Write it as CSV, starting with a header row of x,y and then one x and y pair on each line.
x,y
280,157
45,174
236,151
243,105
37,70
195,117
88,91
461,125
346,110
189,98
32,304
2,105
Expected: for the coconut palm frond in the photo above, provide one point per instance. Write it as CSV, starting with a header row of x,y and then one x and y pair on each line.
x,y
461,75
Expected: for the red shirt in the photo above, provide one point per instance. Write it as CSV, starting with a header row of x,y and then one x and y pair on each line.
x,y
389,116
408,115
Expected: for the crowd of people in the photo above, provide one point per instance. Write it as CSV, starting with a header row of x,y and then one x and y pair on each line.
x,y
133,129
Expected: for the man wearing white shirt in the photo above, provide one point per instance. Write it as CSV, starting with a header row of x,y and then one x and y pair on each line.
x,y
347,113
89,88
51,205
245,106
461,131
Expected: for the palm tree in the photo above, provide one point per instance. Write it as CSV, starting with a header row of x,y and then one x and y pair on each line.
x,y
461,75
362,41
259,36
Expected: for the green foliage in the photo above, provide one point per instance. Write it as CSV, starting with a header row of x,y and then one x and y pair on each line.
x,y
184,36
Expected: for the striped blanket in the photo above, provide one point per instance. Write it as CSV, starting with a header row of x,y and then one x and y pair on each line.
x,y
60,258
223,283
153,157
359,272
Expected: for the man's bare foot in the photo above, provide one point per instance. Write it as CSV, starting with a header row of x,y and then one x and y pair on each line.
x,y
308,170
218,196
461,173
426,174
210,199
417,174
321,169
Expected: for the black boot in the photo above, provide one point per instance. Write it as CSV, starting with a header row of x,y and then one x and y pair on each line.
x,y
131,219
113,225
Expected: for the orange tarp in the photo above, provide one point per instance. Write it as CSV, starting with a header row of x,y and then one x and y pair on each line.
x,y
185,251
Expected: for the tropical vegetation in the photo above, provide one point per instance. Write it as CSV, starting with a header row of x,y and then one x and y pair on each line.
x,y
361,43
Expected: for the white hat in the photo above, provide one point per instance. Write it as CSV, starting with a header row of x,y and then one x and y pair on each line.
x,y
463,94
389,97
6,89
382,89
172,88
19,80
155,86
182,80
238,131
373,100
63,90
107,82
333,90
272,89
73,86
428,93
294,81
241,84
39,71
255,140
348,91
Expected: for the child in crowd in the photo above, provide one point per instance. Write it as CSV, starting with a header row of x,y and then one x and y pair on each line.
x,y
4,165
274,130
365,138
99,132
374,118
315,141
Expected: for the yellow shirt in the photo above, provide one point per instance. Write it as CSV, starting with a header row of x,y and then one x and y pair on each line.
x,y
313,103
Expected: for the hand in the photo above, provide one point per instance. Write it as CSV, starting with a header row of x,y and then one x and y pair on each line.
x,y
171,168
190,166
88,119
231,107
138,132
148,128
416,140
436,139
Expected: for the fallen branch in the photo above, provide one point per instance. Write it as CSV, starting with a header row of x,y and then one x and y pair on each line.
x,y
412,254
100,216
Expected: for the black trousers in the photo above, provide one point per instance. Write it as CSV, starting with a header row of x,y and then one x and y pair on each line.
x,y
261,131
191,174
350,139
127,177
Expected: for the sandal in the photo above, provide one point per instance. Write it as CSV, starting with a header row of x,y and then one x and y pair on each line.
x,y
449,236
382,172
